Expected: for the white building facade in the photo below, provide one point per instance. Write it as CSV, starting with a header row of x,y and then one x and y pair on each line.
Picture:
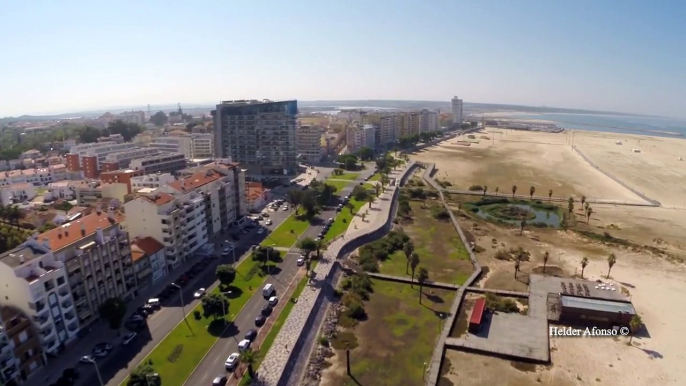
x,y
456,105
308,142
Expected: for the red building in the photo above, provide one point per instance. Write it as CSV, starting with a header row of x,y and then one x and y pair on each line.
x,y
477,316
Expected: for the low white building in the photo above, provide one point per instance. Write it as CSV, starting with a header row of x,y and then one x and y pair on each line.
x,y
61,190
151,181
17,193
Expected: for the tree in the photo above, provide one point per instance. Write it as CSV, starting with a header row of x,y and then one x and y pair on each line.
x,y
365,154
514,190
321,246
546,257
589,212
126,130
583,200
384,181
308,245
611,260
159,119
309,203
422,277
338,172
377,188
408,248
517,263
635,324
294,198
485,190
225,274
250,357
88,134
113,311
414,262
370,200
550,195
143,376
215,305
570,205
497,189
522,225
584,263
350,206
532,190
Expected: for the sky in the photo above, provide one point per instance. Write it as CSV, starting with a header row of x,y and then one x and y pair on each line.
x,y
67,56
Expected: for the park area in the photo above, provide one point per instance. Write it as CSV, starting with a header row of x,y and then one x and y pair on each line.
x,y
392,342
437,243
343,219
179,352
345,176
286,234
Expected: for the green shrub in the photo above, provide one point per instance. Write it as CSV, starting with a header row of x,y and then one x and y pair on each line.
x,y
197,315
474,209
491,201
356,311
476,188
324,341
175,354
496,303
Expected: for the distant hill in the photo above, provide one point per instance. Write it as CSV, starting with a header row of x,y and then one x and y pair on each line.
x,y
196,108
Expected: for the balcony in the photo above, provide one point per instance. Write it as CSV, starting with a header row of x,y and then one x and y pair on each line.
x,y
64,293
48,332
67,304
73,327
70,315
42,321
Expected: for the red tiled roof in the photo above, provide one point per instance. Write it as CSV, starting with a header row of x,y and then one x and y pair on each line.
x,y
159,198
149,245
62,236
195,181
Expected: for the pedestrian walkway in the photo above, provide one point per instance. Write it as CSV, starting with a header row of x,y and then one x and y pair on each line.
x,y
407,280
276,360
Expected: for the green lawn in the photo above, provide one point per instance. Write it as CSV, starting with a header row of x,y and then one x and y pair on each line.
x,y
345,176
376,177
342,220
398,336
338,184
191,348
438,245
286,234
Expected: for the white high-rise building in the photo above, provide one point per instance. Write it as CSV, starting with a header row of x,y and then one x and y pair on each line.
x,y
308,142
457,111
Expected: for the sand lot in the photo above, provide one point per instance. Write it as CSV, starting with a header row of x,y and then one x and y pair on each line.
x,y
542,160
656,171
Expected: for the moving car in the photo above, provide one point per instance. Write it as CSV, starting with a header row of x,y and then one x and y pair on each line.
x,y
243,345
251,335
100,353
103,346
199,293
231,361
300,262
268,222
128,338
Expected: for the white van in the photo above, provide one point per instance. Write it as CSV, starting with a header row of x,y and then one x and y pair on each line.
x,y
268,290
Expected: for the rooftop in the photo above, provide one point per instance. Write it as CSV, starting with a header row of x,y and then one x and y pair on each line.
x,y
195,181
597,304
13,257
148,245
74,231
159,198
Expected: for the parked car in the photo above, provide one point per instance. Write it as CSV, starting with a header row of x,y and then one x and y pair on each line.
x,y
199,293
100,353
243,345
86,359
259,321
267,310
128,338
300,262
71,374
251,335
260,231
273,301
231,361
268,222
227,251
219,380
103,346
265,214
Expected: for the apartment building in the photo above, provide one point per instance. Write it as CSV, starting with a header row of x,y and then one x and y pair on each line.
x,y
98,150
388,130
21,352
61,190
456,105
428,121
137,117
17,193
163,163
361,136
149,262
121,176
260,135
34,176
123,159
151,181
193,146
308,140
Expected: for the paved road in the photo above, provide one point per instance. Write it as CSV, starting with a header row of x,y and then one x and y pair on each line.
x,y
213,364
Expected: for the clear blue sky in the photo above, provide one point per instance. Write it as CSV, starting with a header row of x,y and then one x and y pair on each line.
x,y
60,56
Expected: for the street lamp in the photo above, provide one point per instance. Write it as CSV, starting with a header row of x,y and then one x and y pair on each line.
x,y
233,250
183,309
97,371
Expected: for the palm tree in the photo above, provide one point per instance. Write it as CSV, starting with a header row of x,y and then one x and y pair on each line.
x,y
514,190
589,212
250,357
546,257
584,263
350,206
485,190
370,200
635,323
516,267
422,277
414,262
550,195
532,190
583,200
522,224
408,249
377,188
611,260
570,207
321,246
496,190
384,181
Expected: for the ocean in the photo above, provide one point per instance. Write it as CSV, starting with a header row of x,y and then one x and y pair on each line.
x,y
642,125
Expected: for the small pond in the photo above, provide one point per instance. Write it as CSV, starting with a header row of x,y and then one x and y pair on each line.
x,y
533,215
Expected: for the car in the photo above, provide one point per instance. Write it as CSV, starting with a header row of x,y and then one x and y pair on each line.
x,y
231,361
265,214
267,310
154,302
244,345
199,293
259,321
329,221
135,325
100,353
318,239
339,209
273,301
235,236
254,247
285,208
268,222
103,346
300,262
251,335
260,231
227,251
219,380
128,338
136,318
86,359
171,288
